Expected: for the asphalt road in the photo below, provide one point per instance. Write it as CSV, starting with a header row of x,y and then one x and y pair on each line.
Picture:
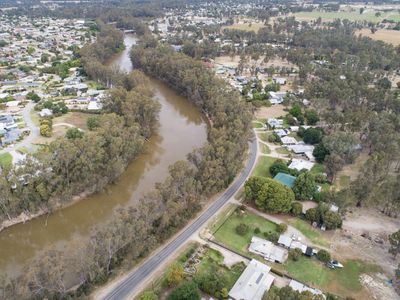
x,y
133,279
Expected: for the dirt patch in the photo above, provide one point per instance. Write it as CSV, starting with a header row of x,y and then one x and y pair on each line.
x,y
378,288
352,171
77,119
273,111
365,236
386,35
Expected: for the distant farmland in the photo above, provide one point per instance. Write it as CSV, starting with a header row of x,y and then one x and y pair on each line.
x,y
388,36
350,15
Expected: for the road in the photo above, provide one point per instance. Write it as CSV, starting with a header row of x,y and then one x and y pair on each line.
x,y
34,130
126,286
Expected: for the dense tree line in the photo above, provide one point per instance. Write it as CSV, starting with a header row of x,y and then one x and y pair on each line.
x,y
220,160
85,162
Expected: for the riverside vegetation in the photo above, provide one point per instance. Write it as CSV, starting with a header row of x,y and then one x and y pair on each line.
x,y
133,231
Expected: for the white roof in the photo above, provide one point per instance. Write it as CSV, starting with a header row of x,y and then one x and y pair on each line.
x,y
253,283
300,149
300,164
268,250
288,140
285,240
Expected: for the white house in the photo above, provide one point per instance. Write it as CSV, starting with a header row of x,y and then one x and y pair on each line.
x,y
268,250
275,123
288,140
276,97
253,283
300,164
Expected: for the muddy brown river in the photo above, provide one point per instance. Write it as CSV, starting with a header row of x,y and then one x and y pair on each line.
x,y
182,128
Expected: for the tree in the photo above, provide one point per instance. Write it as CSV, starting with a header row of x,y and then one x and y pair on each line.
x,y
313,215
394,240
33,96
320,152
333,163
148,295
332,220
312,135
297,208
295,111
242,229
92,122
269,194
311,116
186,291
304,186
74,133
281,228
384,83
295,254
174,275
323,256
279,166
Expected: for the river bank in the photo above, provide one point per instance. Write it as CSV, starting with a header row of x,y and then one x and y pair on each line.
x,y
182,129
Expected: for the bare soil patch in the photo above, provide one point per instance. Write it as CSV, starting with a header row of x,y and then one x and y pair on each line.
x,y
77,119
273,111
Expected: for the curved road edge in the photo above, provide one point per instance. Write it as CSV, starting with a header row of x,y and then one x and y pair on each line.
x,y
132,280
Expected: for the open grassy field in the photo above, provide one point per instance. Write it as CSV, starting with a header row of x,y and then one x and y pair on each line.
x,y
5,160
350,15
262,166
386,35
314,235
77,119
344,282
264,148
249,26
226,234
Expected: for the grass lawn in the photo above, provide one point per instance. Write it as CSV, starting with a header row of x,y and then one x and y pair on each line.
x,y
283,150
5,160
317,168
257,125
246,26
344,282
264,148
344,181
263,136
262,166
213,260
227,235
314,235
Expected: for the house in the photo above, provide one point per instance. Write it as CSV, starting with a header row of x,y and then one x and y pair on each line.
x,y
300,164
280,80
281,132
45,112
275,123
285,179
288,140
11,136
301,148
276,97
298,286
94,105
253,282
268,250
292,243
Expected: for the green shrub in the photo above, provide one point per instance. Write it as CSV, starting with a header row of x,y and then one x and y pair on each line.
x,y
271,236
257,230
324,255
242,229
295,254
281,228
296,209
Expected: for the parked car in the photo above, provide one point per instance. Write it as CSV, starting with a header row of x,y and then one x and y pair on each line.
x,y
334,264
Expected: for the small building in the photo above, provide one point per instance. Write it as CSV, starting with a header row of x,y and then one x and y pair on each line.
x,y
253,282
275,123
285,179
281,132
45,112
292,243
280,80
268,250
276,97
300,164
301,148
288,140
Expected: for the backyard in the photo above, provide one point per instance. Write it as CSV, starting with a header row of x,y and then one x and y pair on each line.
x,y
344,282
5,160
227,235
313,234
